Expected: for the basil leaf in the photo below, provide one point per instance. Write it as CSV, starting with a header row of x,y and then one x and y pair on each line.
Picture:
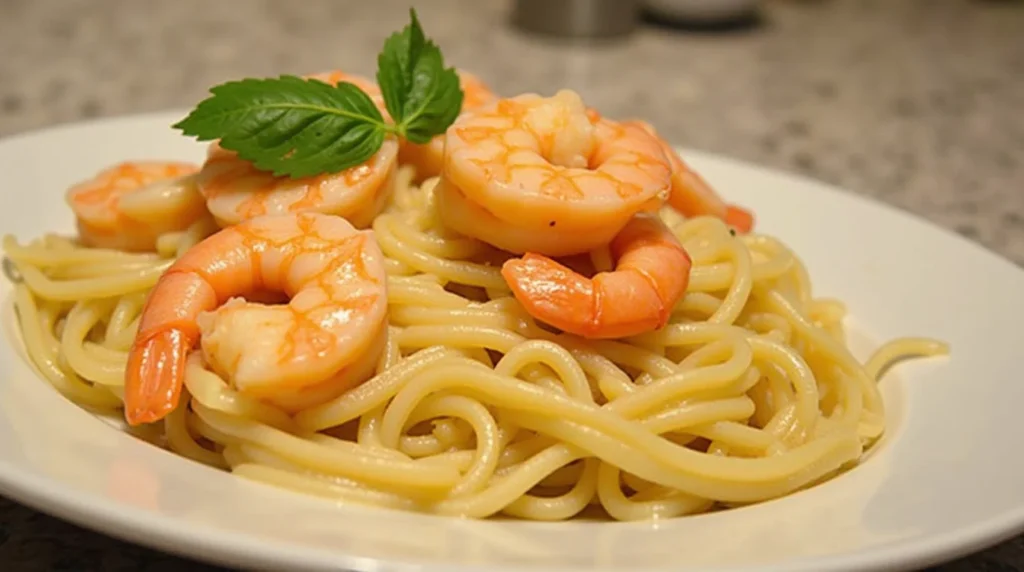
x,y
434,100
395,65
422,96
290,126
296,127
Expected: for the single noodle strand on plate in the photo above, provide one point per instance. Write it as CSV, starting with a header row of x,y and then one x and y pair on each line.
x,y
749,393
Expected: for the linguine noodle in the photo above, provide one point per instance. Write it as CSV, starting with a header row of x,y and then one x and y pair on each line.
x,y
749,393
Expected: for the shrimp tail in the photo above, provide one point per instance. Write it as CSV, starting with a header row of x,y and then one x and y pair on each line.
x,y
553,293
651,275
155,374
739,218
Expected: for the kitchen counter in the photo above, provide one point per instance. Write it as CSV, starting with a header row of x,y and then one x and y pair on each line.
x,y
916,103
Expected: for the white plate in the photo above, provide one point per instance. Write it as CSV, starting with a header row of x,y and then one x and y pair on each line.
x,y
946,480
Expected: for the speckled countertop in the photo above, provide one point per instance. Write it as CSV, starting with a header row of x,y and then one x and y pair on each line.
x,y
919,103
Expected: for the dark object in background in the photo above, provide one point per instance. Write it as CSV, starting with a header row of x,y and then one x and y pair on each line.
x,y
703,15
577,18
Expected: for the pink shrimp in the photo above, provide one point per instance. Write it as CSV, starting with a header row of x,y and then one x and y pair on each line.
x,y
651,274
236,191
692,196
544,175
129,205
325,340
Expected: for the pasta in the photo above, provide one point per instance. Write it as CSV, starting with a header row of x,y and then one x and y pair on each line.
x,y
476,409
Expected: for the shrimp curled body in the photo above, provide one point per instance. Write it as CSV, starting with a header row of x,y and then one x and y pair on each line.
x,y
129,205
324,341
235,190
651,275
545,175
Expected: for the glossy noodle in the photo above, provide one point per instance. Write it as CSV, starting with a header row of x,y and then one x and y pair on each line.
x,y
475,409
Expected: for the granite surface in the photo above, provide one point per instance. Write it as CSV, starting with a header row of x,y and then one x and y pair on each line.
x,y
919,103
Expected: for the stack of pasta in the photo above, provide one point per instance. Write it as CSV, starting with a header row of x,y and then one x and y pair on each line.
x,y
475,408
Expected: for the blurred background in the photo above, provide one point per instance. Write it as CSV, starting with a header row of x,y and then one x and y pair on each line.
x,y
919,103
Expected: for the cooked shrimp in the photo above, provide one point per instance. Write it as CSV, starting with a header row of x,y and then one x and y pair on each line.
x,y
544,175
236,191
651,274
129,205
428,159
325,340
692,196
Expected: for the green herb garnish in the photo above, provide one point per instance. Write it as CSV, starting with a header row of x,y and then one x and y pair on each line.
x,y
303,127
422,96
